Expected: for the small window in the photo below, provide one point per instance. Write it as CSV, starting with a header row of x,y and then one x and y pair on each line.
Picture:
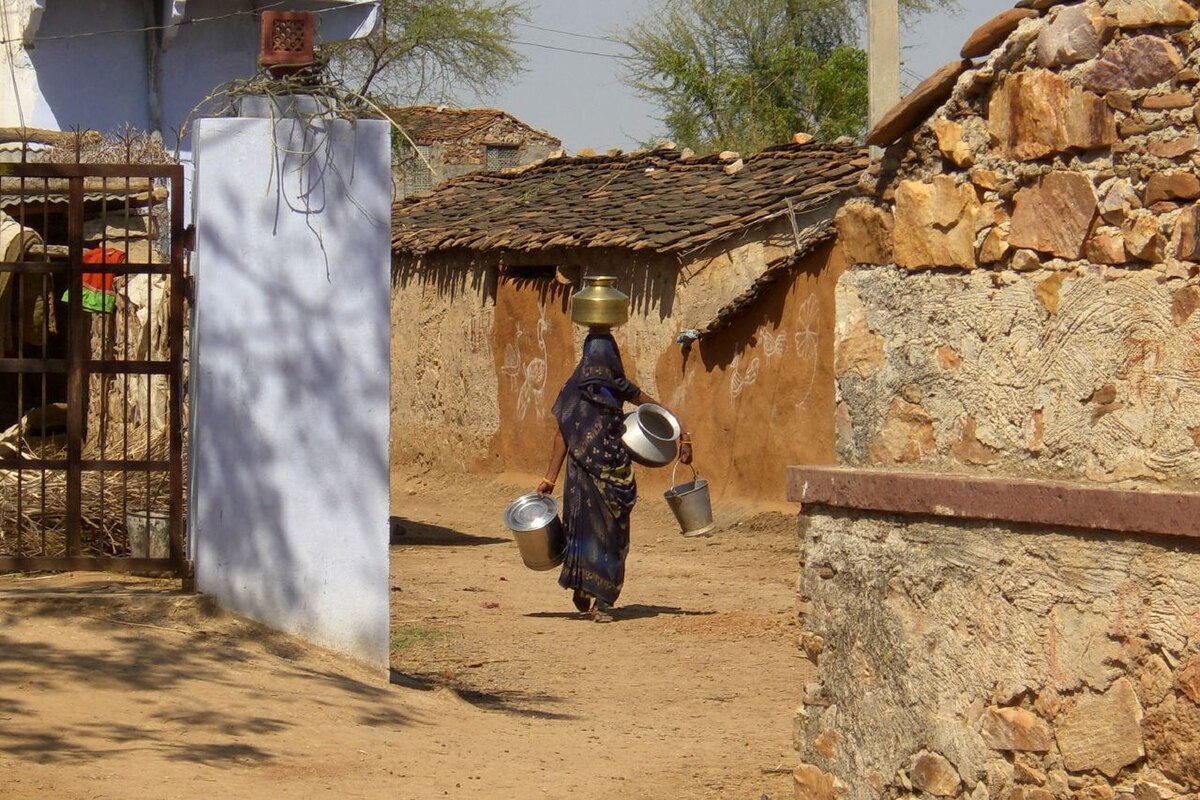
x,y
418,177
529,272
503,157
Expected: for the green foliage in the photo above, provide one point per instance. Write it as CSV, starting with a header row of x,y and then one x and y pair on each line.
x,y
746,74
431,51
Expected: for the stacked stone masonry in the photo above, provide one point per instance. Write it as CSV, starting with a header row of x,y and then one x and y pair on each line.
x,y
993,661
1050,207
1021,303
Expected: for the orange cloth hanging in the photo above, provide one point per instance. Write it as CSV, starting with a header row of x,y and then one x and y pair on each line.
x,y
99,296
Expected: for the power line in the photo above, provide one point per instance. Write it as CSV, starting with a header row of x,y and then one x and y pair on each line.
x,y
568,33
256,12
572,50
181,24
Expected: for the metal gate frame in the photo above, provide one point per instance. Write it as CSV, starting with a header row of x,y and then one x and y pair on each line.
x,y
79,367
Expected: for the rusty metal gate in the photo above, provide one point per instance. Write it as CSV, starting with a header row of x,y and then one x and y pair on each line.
x,y
92,305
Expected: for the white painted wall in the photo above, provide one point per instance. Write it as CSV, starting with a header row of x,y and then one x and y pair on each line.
x,y
87,65
289,500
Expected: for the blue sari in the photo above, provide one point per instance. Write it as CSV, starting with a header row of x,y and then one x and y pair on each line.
x,y
599,491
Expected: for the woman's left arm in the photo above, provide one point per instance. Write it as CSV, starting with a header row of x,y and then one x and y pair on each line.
x,y
685,436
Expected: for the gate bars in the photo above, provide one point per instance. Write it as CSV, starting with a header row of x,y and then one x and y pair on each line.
x,y
91,368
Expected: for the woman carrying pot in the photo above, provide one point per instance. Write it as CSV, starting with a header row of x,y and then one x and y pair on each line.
x,y
599,492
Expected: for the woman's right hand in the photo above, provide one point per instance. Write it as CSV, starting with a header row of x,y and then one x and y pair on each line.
x,y
545,488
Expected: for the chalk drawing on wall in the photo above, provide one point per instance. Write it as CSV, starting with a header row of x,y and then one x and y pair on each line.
x,y
533,387
808,341
512,359
775,345
807,337
738,379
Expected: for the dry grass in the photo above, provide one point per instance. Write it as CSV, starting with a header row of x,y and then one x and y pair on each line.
x,y
33,502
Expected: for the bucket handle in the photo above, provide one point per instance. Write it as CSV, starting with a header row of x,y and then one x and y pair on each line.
x,y
695,474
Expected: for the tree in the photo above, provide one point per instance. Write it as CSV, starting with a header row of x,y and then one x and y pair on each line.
x,y
431,50
746,74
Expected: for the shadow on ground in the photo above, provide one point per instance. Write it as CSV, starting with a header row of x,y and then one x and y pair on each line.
x,y
167,671
619,613
411,532
517,703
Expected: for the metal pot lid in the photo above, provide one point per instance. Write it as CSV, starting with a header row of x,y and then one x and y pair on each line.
x,y
530,512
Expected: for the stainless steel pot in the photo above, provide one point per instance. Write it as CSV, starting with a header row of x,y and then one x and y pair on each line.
x,y
537,530
651,435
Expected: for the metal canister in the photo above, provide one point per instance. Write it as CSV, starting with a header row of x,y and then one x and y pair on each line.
x,y
537,530
599,302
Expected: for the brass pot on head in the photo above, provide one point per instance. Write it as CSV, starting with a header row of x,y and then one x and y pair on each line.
x,y
599,303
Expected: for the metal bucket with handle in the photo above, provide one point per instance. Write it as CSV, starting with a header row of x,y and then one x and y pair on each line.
x,y
690,503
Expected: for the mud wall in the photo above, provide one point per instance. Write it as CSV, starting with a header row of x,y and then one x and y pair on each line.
x,y
992,661
759,395
479,353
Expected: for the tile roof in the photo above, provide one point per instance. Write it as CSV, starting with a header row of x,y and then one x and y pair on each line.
x,y
433,124
654,200
807,243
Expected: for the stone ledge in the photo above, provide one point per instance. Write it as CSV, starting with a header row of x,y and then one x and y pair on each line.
x,y
1037,502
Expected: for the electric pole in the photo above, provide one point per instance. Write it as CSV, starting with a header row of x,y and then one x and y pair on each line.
x,y
883,54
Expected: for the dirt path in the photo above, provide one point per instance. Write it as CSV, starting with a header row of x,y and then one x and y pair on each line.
x,y
689,693
498,689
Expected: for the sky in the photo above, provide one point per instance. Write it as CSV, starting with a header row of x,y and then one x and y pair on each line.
x,y
580,98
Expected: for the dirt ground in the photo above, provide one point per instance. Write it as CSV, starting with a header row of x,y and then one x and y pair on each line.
x,y
128,689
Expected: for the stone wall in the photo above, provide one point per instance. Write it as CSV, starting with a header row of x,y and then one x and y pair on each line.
x,y
1065,374
456,158
1022,304
1027,261
992,661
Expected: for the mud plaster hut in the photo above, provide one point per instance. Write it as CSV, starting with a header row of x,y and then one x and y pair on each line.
x,y
998,587
455,141
736,256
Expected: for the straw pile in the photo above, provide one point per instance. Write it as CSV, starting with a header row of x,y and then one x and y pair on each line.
x,y
106,499
127,419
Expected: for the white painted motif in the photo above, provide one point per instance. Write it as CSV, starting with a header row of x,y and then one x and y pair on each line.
x,y
775,345
739,380
512,359
807,338
533,371
808,341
